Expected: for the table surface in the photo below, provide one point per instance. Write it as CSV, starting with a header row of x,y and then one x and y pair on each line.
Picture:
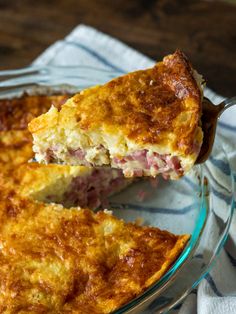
x,y
204,30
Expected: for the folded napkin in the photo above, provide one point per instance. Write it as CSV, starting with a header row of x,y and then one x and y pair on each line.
x,y
216,293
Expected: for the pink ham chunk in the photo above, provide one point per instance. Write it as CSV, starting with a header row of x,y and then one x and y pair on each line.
x,y
141,162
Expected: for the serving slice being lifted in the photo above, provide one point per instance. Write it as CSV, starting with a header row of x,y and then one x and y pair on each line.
x,y
146,123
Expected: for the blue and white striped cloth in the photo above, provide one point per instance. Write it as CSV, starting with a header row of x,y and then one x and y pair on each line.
x,y
86,46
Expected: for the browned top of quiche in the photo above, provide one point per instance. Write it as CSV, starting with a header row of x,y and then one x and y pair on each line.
x,y
55,260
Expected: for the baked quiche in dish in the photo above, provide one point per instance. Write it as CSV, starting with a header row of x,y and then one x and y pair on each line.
x,y
146,123
59,260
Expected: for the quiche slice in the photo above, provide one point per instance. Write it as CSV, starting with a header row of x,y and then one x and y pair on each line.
x,y
146,123
55,260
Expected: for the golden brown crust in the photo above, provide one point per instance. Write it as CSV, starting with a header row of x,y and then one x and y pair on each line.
x,y
79,262
154,106
179,76
12,117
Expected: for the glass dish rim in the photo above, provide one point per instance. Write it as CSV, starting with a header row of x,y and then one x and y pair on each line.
x,y
36,76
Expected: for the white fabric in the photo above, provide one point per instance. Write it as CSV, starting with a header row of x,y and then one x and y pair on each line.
x,y
216,294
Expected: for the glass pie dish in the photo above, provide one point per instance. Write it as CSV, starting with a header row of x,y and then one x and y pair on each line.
x,y
200,204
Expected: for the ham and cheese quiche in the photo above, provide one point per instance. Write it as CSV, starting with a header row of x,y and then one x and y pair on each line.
x,y
70,186
145,123
57,260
